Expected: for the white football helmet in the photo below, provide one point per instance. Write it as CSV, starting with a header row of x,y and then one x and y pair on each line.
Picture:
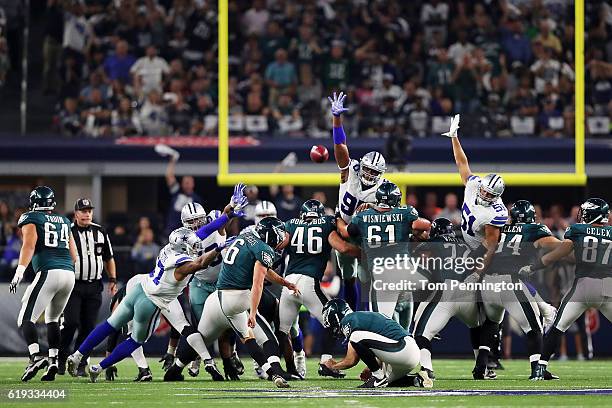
x,y
264,209
491,188
193,216
184,241
372,166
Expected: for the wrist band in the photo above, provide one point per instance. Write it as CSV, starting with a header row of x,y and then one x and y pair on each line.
x,y
339,136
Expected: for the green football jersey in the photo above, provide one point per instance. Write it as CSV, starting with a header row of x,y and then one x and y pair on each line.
x,y
53,243
592,249
516,247
388,227
441,257
372,322
309,248
239,261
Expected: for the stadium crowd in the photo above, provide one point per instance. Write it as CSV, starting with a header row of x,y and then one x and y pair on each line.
x,y
150,67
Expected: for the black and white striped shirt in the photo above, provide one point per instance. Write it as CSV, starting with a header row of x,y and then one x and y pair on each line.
x,y
93,248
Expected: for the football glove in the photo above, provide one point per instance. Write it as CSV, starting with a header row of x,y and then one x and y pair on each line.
x,y
167,360
337,104
230,371
228,241
454,127
165,151
237,195
17,278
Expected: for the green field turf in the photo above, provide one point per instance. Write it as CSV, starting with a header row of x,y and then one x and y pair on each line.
x,y
452,375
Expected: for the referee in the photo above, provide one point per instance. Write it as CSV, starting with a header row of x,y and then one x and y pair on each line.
x,y
95,254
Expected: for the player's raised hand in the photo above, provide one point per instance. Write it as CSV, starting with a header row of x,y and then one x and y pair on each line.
x,y
228,241
238,194
454,127
337,104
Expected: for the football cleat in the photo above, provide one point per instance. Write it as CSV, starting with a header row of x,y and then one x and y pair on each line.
x,y
94,372
293,376
422,379
36,364
237,363
211,368
61,366
144,375
82,369
194,368
483,373
51,371
300,363
374,382
429,372
167,360
72,365
173,373
229,369
549,376
259,372
279,381
324,371
110,373
495,364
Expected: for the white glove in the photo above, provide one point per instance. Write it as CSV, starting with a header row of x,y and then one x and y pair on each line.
x,y
290,160
165,150
473,278
454,126
17,278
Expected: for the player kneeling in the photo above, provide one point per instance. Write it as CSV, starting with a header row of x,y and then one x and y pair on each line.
x,y
384,346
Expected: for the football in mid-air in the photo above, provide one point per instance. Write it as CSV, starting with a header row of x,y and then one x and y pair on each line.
x,y
421,224
319,153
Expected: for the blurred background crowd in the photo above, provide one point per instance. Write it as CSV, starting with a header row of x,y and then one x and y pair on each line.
x,y
128,67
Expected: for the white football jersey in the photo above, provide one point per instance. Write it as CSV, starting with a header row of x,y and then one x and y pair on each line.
x,y
474,217
135,280
351,192
211,273
161,287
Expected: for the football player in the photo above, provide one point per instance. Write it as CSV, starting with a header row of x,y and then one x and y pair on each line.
x,y
441,305
483,214
359,181
144,303
48,244
590,242
202,285
387,349
312,236
517,247
385,229
247,262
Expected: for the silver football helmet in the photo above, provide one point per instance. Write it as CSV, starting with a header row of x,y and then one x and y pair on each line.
x,y
491,188
372,166
193,216
184,241
264,209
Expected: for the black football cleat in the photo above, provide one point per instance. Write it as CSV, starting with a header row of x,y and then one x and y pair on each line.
x,y
211,368
174,373
374,382
111,373
167,360
36,364
144,375
229,369
237,363
51,371
324,371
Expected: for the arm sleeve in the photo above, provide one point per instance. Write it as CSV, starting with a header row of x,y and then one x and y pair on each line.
x,y
265,256
543,232
211,227
25,218
353,230
107,251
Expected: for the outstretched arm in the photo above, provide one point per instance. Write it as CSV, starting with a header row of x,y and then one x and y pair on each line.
x,y
342,246
350,360
460,158
341,152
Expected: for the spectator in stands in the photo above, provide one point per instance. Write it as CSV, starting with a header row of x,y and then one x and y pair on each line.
x,y
96,115
180,194
514,42
388,90
5,222
78,34
70,118
305,50
451,209
280,76
465,79
336,69
288,203
547,38
255,19
550,120
124,120
10,256
440,72
144,252
179,115
95,82
546,69
459,50
287,115
152,117
431,210
117,66
418,118
148,71
273,40
434,16
322,197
